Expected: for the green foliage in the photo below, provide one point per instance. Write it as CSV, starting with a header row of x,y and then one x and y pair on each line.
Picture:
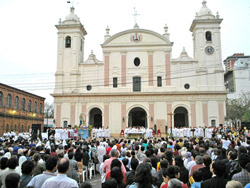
x,y
239,108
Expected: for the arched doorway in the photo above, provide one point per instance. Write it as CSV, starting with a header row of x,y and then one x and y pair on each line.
x,y
181,117
137,117
95,117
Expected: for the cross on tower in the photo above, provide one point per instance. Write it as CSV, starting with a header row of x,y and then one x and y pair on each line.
x,y
135,15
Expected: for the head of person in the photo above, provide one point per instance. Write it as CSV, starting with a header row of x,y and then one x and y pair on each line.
x,y
12,163
164,164
51,164
71,155
27,167
232,155
169,173
105,157
3,163
197,175
117,174
63,166
110,183
244,159
134,163
234,184
114,153
178,161
207,160
198,159
85,185
125,161
116,162
143,175
12,180
218,168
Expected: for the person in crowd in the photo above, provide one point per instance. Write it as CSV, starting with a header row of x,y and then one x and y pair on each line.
x,y
3,164
51,167
110,183
197,178
85,185
205,171
61,180
159,177
130,176
12,180
117,163
27,168
143,177
11,164
218,180
199,164
248,170
116,173
107,164
243,176
183,171
73,167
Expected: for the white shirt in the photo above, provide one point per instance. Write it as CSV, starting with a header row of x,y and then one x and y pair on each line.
x,y
60,181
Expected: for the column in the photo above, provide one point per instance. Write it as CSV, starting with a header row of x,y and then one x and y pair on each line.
x,y
193,115
221,112
169,111
151,115
106,70
123,116
106,115
205,113
72,115
58,115
150,69
123,69
84,111
167,69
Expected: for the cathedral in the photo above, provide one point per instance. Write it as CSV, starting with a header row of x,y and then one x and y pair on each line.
x,y
139,83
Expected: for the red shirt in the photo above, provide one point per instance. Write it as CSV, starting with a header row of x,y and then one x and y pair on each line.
x,y
166,185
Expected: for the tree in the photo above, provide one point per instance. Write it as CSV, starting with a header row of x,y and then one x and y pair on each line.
x,y
239,109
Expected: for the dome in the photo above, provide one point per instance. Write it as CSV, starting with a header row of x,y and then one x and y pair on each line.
x,y
205,13
72,18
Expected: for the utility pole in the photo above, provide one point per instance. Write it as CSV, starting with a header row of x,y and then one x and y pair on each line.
x,y
171,117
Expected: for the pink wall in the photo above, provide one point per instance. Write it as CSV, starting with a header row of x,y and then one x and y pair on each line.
x,y
151,115
58,115
84,109
106,71
205,114
123,116
221,113
72,115
124,69
167,66
193,115
169,110
150,70
106,115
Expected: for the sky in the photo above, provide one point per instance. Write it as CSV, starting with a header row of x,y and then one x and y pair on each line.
x,y
28,45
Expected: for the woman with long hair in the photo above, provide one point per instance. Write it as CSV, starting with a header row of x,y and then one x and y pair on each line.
x,y
143,177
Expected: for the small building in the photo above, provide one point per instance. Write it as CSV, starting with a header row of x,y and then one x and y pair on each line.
x,y
237,74
19,110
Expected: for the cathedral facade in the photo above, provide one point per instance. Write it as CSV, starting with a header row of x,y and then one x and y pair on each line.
x,y
138,83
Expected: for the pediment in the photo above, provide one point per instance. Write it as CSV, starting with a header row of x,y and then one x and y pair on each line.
x,y
137,37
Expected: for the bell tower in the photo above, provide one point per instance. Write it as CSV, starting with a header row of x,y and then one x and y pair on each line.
x,y
207,48
70,52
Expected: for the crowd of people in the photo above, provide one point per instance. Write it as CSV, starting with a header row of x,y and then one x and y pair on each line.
x,y
222,161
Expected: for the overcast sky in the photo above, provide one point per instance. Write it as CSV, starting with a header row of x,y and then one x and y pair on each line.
x,y
28,45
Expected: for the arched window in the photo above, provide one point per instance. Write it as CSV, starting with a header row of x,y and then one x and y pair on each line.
x,y
35,107
208,36
23,104
213,123
68,42
1,99
17,102
41,108
29,106
8,102
7,128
